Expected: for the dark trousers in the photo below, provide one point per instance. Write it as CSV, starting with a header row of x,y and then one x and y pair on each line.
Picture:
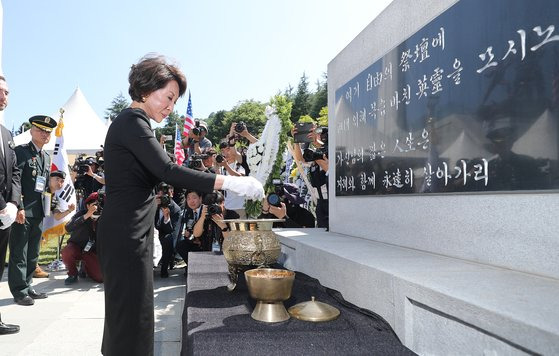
x,y
167,257
25,242
4,237
185,246
322,213
73,253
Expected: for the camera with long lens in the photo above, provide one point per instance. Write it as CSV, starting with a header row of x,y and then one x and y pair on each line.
x,y
240,127
164,201
219,158
310,155
275,197
101,197
196,129
196,161
214,209
81,165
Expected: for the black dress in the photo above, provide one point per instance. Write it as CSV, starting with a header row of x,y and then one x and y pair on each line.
x,y
134,164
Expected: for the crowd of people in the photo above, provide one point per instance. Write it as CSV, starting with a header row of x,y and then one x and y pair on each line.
x,y
112,229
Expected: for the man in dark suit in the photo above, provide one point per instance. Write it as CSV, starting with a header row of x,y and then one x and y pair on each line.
x,y
167,223
25,238
10,192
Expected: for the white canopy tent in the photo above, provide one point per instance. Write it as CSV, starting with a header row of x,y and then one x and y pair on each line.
x,y
84,131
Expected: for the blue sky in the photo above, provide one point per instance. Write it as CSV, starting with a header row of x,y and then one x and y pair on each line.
x,y
229,50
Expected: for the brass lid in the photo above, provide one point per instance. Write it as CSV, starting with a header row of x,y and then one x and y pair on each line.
x,y
314,311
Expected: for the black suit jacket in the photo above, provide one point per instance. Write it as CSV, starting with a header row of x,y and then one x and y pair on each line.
x,y
173,226
10,174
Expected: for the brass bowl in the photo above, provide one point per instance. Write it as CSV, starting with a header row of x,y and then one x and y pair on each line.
x,y
249,243
269,287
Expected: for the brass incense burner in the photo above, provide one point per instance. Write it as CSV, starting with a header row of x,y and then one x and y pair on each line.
x,y
250,243
270,287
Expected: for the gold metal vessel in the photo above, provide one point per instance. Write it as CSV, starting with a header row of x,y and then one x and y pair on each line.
x,y
269,287
250,243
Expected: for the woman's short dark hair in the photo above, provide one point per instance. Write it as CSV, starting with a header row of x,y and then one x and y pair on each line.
x,y
152,73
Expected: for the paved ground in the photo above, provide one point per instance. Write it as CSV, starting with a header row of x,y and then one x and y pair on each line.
x,y
70,320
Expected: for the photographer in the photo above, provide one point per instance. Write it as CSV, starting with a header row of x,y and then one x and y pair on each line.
x,y
167,223
197,140
237,130
231,167
284,203
191,214
209,229
318,159
81,245
205,161
89,176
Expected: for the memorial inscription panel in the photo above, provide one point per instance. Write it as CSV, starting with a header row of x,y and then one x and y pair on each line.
x,y
469,103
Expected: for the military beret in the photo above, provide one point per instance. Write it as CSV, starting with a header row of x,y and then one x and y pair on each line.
x,y
43,122
93,197
59,174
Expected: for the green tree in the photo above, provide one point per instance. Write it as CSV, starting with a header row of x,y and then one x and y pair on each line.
x,y
117,105
301,101
169,129
319,98
323,117
216,126
250,112
24,127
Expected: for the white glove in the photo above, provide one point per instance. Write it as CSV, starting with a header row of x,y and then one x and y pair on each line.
x,y
9,216
248,187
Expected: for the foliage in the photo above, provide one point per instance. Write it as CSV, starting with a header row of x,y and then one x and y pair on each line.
x,y
301,101
305,119
117,105
323,117
216,126
250,112
26,125
169,129
319,99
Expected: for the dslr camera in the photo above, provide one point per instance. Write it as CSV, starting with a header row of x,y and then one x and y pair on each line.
x,y
81,165
101,196
240,127
196,161
275,197
310,155
196,129
214,209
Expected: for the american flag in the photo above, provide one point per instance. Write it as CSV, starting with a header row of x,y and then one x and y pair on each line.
x,y
189,119
179,152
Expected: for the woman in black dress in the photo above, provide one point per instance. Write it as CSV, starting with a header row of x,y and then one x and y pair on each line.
x,y
134,164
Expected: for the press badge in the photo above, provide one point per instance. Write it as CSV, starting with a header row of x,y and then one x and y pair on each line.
x,y
88,246
40,184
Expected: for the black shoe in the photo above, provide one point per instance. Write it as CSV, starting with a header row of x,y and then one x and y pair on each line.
x,y
164,274
33,294
26,300
70,280
8,328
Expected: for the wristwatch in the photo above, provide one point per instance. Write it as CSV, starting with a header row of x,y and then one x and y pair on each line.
x,y
225,229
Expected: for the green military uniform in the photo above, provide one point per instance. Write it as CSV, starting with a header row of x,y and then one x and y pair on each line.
x,y
25,238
